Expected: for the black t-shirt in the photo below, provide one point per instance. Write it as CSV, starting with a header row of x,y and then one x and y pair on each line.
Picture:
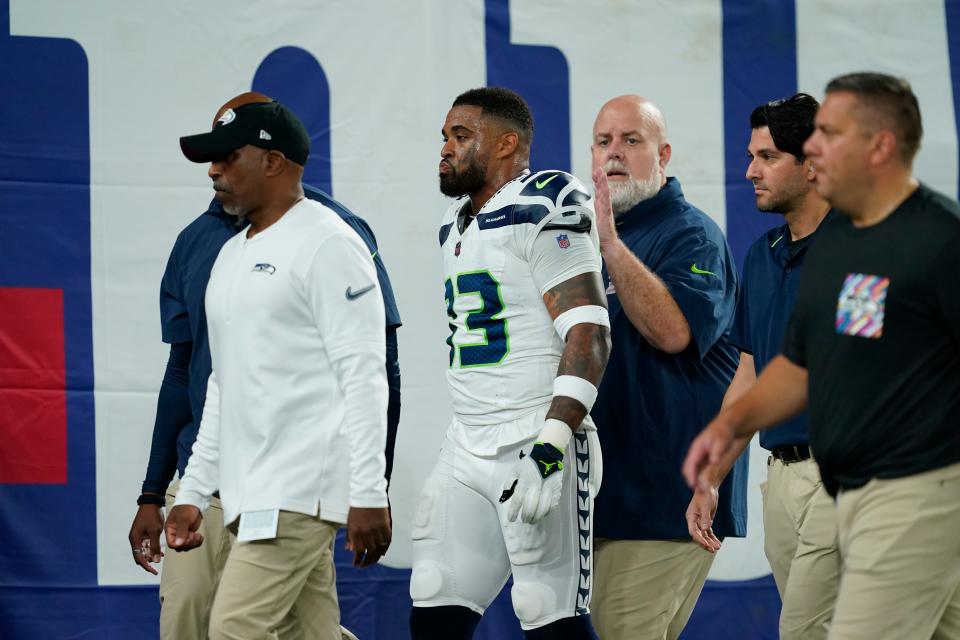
x,y
877,326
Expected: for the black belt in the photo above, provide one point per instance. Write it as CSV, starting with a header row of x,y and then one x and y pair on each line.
x,y
791,453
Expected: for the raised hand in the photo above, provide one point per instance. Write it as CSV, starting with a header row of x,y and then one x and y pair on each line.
x,y
604,211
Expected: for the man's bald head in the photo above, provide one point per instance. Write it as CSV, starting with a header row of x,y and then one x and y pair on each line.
x,y
630,144
638,108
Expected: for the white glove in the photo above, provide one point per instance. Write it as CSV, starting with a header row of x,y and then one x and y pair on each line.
x,y
535,485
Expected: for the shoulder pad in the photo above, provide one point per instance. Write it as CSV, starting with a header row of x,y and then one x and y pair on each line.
x,y
570,221
553,185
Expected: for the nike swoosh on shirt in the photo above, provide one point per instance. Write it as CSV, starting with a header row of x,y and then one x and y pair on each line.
x,y
541,185
353,295
695,269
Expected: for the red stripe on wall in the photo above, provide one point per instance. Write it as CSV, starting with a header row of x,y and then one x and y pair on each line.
x,y
33,395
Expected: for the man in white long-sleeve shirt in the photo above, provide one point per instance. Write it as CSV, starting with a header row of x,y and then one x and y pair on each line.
x,y
294,423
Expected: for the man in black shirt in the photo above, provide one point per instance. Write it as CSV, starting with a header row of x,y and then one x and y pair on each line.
x,y
873,348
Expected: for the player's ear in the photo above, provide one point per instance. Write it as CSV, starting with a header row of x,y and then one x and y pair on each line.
x,y
507,144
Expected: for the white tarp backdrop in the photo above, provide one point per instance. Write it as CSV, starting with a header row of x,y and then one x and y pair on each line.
x,y
158,70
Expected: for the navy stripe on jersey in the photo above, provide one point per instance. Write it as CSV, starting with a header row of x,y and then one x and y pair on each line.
x,y
520,214
444,232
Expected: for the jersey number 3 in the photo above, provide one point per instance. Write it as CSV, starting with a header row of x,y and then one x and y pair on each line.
x,y
496,343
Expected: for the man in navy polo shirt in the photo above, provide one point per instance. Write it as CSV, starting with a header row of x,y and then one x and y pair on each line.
x,y
799,518
188,583
671,286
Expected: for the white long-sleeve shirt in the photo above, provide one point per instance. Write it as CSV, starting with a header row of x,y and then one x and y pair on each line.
x,y
295,415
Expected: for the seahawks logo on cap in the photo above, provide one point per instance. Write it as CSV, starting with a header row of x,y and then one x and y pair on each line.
x,y
227,117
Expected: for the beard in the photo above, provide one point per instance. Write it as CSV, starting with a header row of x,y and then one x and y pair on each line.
x,y
625,196
232,208
470,179
772,207
782,202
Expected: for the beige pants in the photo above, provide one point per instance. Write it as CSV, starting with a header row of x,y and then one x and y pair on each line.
x,y
900,543
800,540
646,589
280,588
188,579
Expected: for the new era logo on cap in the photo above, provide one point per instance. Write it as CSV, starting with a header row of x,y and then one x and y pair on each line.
x,y
268,125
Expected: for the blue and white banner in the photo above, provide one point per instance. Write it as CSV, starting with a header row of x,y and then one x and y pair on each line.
x,y
94,189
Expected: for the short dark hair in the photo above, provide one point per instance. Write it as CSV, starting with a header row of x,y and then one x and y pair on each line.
x,y
891,99
501,103
790,121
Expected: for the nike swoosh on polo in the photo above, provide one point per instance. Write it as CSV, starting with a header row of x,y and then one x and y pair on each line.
x,y
695,269
353,295
541,185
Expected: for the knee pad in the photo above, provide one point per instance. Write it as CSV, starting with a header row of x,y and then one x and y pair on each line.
x,y
575,628
426,582
532,601
443,623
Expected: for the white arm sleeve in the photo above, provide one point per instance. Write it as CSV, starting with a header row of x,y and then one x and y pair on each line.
x,y
344,294
202,475
557,255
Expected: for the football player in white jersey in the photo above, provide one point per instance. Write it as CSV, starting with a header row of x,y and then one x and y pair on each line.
x,y
513,489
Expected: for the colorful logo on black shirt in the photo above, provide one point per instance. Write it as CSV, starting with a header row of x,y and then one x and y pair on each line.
x,y
861,304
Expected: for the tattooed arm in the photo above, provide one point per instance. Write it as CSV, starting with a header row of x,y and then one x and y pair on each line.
x,y
534,488
587,347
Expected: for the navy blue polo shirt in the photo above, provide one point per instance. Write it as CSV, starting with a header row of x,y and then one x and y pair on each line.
x,y
768,292
651,404
183,318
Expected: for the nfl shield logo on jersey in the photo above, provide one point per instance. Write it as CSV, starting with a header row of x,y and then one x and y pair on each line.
x,y
563,241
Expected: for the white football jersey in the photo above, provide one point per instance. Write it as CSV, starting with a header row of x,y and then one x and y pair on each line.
x,y
504,350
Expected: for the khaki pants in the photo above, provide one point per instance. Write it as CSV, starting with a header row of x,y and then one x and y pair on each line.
x,y
800,540
900,543
280,588
188,579
646,589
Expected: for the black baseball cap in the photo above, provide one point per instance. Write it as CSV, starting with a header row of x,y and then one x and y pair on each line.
x,y
268,125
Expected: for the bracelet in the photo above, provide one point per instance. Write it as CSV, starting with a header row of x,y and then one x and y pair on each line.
x,y
147,498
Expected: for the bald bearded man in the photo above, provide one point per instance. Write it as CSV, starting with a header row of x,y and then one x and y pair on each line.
x,y
671,287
